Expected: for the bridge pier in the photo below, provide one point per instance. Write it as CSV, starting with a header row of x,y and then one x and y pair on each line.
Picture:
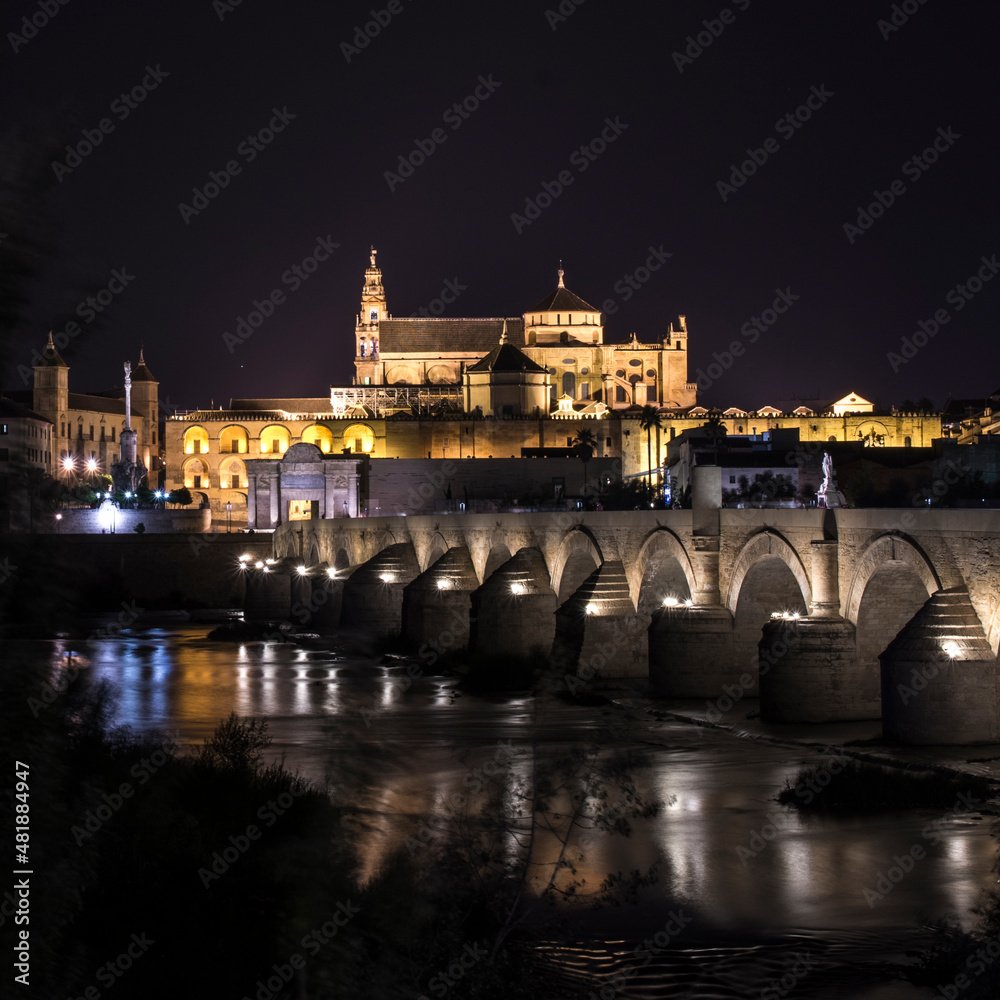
x,y
513,611
808,666
268,596
597,629
438,603
372,599
940,678
690,651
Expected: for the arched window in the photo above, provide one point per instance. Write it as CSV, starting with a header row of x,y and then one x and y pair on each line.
x,y
233,440
320,436
274,440
359,438
233,476
196,441
907,443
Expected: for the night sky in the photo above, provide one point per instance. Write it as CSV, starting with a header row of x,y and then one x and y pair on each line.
x,y
685,114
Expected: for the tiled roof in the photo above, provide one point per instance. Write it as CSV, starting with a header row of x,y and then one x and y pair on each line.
x,y
50,356
563,300
461,336
506,358
99,404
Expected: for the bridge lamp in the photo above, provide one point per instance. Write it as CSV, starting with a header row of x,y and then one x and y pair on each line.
x,y
245,557
270,562
591,608
259,564
670,602
267,569
951,648
517,588
442,584
387,577
331,572
689,603
302,570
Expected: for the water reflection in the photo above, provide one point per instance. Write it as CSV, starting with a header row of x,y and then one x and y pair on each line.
x,y
322,708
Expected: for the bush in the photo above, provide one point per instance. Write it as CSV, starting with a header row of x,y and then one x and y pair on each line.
x,y
853,788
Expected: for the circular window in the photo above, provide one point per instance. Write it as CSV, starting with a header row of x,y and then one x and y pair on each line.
x,y
584,371
635,363
620,373
650,373
552,371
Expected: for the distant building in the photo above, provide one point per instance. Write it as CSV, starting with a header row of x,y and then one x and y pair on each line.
x,y
87,427
25,438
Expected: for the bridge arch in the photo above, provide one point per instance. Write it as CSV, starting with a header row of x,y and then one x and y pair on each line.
x,y
889,548
663,569
767,544
576,558
498,555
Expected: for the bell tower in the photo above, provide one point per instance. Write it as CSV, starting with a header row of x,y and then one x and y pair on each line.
x,y
373,311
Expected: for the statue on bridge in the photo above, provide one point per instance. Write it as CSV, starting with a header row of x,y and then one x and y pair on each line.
x,y
128,472
828,495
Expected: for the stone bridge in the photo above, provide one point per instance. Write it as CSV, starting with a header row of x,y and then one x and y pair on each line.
x,y
826,615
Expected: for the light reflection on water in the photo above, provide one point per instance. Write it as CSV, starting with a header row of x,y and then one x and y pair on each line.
x,y
809,874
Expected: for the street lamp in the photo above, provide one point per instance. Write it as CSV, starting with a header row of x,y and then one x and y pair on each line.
x,y
229,511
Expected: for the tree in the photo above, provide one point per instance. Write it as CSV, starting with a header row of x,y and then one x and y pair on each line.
x,y
182,496
585,444
648,419
925,405
714,430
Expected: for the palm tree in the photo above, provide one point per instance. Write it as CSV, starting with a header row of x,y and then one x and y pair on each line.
x,y
648,419
585,445
714,429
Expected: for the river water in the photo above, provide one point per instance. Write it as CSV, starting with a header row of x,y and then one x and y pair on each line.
x,y
795,907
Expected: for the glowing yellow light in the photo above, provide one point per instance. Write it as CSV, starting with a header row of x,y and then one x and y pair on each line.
x,y
517,588
302,570
951,648
270,562
591,609
387,577
689,603
259,564
331,572
442,584
670,602
67,463
91,464
267,569
246,557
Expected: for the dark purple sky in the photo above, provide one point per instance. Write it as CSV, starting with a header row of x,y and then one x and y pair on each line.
x,y
885,99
